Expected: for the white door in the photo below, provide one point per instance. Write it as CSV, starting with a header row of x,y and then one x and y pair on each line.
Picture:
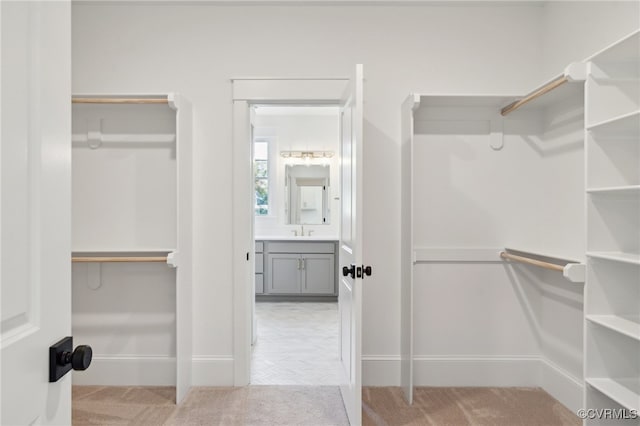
x,y
351,265
35,208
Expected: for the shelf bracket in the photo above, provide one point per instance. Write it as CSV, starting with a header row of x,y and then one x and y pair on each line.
x,y
94,133
496,138
173,259
575,272
94,275
576,71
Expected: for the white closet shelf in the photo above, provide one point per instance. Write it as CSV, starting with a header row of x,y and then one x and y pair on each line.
x,y
623,50
616,190
627,396
121,252
627,325
128,138
616,256
625,126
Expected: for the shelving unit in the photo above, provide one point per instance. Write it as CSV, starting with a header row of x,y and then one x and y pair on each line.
x,y
131,238
612,297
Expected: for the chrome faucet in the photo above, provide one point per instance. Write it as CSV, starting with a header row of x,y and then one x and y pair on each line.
x,y
310,231
302,230
295,232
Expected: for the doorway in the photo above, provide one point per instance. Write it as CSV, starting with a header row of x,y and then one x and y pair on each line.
x,y
348,94
295,156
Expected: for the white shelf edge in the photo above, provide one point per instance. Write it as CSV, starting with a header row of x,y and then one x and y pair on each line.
x,y
618,324
614,189
121,251
616,392
611,121
631,258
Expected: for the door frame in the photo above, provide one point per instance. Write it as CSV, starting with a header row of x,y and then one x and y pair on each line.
x,y
246,93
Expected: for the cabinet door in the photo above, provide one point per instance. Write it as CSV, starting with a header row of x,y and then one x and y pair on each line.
x,y
259,284
318,274
284,273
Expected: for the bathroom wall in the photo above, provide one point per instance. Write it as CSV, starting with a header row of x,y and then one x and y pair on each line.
x,y
304,131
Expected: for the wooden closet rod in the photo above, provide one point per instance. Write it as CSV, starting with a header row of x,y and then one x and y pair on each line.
x,y
530,261
102,259
536,94
119,101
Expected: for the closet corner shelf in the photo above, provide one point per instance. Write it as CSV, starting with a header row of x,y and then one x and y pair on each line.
x,y
622,126
616,256
616,190
626,325
623,395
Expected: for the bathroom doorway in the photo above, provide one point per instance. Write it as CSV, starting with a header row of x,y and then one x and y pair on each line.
x,y
296,229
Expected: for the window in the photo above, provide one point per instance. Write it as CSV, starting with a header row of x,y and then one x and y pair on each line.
x,y
261,175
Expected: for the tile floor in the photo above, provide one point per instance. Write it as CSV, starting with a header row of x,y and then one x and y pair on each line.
x,y
297,344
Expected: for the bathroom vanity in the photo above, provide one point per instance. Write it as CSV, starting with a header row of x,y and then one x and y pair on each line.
x,y
296,266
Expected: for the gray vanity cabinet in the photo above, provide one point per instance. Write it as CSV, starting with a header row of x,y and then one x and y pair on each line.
x,y
259,268
299,268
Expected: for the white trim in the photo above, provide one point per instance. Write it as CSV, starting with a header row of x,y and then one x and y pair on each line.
x,y
561,385
289,90
381,370
128,371
212,371
501,371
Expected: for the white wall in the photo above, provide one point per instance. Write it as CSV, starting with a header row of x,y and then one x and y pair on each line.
x,y
298,133
574,30
195,49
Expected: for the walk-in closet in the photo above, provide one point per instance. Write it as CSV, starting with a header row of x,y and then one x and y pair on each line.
x,y
131,239
303,212
540,253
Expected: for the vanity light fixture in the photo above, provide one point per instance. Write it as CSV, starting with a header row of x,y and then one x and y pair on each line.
x,y
306,155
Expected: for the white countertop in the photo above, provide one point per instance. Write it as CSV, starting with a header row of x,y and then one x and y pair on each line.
x,y
292,238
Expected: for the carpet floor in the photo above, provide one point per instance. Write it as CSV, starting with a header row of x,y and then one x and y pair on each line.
x,y
316,405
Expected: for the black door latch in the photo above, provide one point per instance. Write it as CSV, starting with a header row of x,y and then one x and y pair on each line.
x,y
349,270
363,271
63,358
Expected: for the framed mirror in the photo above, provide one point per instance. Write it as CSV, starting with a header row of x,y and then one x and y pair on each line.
x,y
307,189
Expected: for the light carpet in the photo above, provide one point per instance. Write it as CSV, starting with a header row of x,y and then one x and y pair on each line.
x,y
317,405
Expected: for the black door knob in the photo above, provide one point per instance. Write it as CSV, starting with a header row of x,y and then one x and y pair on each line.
x,y
349,270
80,358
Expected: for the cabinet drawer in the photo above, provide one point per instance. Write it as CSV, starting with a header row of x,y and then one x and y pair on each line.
x,y
259,246
301,247
259,263
259,283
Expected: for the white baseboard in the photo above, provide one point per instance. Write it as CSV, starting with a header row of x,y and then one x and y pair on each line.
x,y
380,370
128,371
377,370
561,385
212,371
476,371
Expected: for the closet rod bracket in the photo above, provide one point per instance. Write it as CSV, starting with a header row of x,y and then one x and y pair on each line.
x,y
173,259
